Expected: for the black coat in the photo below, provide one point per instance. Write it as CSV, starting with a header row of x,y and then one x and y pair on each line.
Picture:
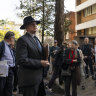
x,y
67,61
28,58
87,49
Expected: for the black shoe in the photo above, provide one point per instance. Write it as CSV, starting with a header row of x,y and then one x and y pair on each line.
x,y
83,87
93,78
87,76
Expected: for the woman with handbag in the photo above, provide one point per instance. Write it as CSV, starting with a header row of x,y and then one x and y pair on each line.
x,y
72,59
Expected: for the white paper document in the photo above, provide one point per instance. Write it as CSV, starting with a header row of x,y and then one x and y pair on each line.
x,y
4,68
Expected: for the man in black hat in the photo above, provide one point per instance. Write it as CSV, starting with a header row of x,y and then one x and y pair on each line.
x,y
30,58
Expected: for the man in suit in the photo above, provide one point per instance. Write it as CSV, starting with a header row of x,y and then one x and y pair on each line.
x,y
30,58
6,53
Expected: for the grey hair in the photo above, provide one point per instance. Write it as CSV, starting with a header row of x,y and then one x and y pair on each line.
x,y
86,38
75,42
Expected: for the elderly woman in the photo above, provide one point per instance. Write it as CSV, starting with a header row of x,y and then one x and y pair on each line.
x,y
72,60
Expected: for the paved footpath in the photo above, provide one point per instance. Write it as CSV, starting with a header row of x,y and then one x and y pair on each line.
x,y
89,91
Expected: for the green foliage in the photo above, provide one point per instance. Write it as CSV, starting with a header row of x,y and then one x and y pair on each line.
x,y
5,27
35,9
67,23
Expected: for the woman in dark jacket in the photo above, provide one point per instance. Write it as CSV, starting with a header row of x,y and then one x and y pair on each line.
x,y
72,60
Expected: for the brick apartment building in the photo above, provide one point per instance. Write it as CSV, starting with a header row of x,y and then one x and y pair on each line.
x,y
86,19
71,35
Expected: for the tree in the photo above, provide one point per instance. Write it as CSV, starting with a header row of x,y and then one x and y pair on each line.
x,y
67,24
35,9
53,13
59,21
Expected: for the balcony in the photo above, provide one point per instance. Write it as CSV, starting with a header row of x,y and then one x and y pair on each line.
x,y
85,25
84,5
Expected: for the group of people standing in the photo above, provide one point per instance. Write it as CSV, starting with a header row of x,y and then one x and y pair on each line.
x,y
68,62
29,58
71,64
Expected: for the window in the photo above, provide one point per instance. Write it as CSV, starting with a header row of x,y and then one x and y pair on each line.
x,y
94,30
88,11
78,2
85,12
94,9
90,31
86,31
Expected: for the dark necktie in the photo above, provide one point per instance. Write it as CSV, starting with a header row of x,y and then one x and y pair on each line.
x,y
12,54
38,43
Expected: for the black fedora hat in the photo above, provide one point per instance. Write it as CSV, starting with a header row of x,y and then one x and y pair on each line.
x,y
27,20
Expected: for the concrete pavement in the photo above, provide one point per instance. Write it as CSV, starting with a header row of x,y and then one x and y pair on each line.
x,y
90,90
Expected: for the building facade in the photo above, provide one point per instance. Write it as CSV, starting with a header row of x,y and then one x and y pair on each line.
x,y
72,33
86,19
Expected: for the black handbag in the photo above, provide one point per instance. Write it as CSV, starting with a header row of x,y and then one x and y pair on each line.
x,y
66,72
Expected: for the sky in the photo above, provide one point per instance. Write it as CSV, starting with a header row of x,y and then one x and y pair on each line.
x,y
70,5
8,9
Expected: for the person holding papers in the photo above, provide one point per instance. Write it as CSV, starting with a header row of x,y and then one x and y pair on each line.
x,y
6,54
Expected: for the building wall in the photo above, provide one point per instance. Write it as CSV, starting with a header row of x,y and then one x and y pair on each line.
x,y
70,36
85,25
82,1
72,18
78,14
86,19
86,14
72,26
84,5
78,2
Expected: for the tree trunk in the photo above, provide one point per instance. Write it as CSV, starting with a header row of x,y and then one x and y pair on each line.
x,y
59,21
